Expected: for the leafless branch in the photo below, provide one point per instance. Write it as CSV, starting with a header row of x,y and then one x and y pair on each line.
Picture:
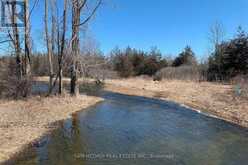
x,y
92,13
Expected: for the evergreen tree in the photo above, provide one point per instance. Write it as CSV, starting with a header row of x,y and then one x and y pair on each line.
x,y
187,57
230,59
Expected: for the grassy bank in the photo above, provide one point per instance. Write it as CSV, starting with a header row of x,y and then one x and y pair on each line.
x,y
216,99
212,98
24,121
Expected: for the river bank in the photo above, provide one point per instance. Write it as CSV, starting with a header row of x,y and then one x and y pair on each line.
x,y
212,98
126,129
22,122
215,99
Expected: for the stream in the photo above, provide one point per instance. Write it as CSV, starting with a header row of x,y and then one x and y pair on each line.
x,y
132,130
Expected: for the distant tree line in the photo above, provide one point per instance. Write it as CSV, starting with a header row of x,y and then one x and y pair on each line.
x,y
228,60
133,62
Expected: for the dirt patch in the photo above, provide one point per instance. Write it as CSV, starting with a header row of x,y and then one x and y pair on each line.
x,y
213,98
25,121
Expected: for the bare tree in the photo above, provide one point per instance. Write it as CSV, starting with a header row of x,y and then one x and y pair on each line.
x,y
15,38
56,40
49,45
91,61
52,42
62,47
19,83
77,7
216,35
23,66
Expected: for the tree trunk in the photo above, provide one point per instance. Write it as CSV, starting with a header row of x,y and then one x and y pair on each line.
x,y
27,40
16,43
49,49
62,48
75,47
60,80
77,7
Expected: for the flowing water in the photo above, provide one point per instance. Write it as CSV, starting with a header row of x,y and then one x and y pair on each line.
x,y
129,130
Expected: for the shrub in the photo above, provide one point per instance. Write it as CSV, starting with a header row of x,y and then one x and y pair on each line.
x,y
178,73
240,84
10,84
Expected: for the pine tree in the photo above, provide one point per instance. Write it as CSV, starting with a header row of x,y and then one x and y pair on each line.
x,y
187,57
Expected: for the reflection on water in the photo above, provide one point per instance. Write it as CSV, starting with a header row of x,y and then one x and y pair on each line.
x,y
90,88
135,130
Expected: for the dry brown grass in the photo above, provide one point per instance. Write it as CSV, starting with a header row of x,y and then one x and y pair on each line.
x,y
216,99
22,122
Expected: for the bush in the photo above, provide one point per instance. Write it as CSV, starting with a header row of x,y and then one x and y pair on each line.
x,y
10,84
19,88
178,73
240,84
